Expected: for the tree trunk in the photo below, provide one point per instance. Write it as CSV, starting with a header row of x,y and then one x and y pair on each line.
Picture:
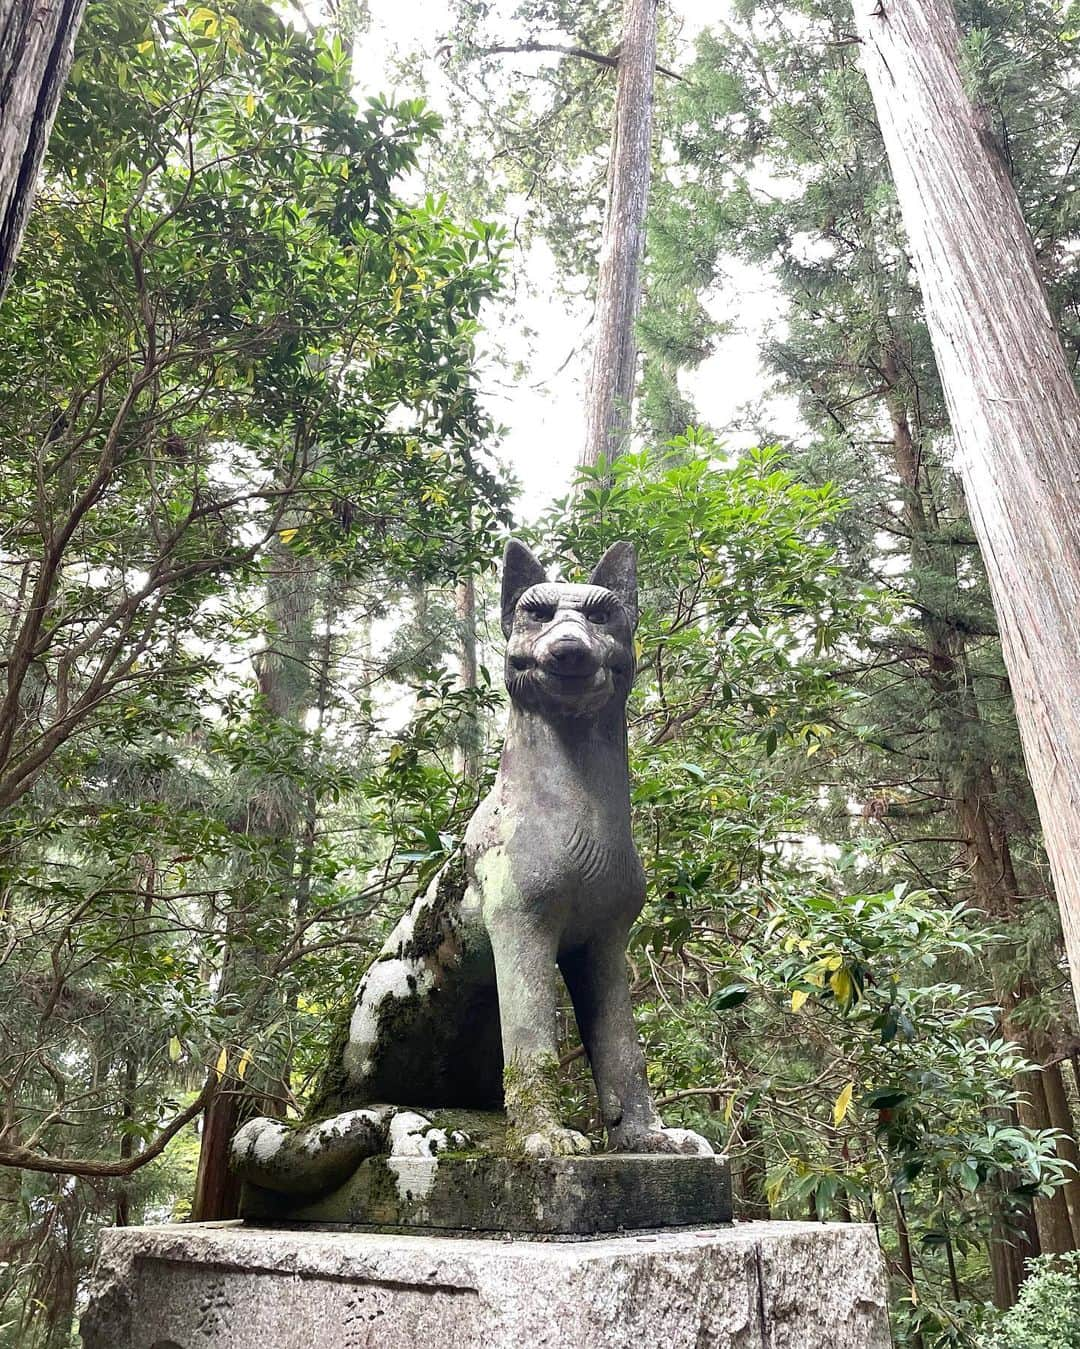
x,y
907,1265
968,784
1052,1214
273,816
1008,1251
1014,410
748,1171
36,45
610,391
217,1190
469,733
1061,1117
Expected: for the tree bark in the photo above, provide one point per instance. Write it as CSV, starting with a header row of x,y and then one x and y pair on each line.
x,y
36,45
1014,410
907,1265
217,1190
273,815
1061,1117
610,393
1009,1249
1052,1214
968,784
469,734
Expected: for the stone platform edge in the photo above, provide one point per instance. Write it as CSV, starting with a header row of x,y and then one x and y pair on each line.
x,y
540,1197
766,1285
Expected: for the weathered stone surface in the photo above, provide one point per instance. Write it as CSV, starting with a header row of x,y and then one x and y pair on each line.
x,y
751,1286
459,1007
553,1195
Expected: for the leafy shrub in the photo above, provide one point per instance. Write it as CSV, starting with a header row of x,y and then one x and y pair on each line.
x,y
1047,1315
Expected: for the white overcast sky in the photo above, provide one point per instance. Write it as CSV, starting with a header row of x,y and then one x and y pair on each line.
x,y
543,415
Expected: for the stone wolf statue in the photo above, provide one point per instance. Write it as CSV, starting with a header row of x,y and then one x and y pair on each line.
x,y
459,1008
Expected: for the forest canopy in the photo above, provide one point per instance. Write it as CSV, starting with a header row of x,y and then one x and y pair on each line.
x,y
253,486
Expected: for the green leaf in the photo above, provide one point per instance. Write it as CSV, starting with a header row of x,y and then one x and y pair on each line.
x,y
731,995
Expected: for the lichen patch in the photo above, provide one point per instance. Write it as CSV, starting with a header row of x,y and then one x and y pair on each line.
x,y
393,978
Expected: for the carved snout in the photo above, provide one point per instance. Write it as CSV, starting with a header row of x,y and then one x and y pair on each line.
x,y
569,654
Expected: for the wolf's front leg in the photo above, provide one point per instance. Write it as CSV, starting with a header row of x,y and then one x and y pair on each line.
x,y
526,973
596,976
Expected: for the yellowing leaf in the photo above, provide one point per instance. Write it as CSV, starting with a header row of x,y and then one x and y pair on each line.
x,y
840,1106
222,1063
207,20
249,103
175,1048
287,535
797,999
841,985
241,1067
729,1110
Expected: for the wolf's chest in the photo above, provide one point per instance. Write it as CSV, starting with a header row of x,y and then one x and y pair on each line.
x,y
564,861
597,860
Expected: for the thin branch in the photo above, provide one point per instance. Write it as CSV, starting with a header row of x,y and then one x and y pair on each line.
x,y
77,1166
609,59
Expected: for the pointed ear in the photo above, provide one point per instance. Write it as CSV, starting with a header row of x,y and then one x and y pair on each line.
x,y
520,571
617,571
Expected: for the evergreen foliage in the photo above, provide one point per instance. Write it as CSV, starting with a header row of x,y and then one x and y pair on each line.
x,y
1047,1316
246,468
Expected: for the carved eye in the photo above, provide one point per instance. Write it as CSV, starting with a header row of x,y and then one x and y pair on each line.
x,y
598,616
540,613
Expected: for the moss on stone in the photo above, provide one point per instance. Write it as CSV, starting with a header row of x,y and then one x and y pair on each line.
x,y
531,1088
485,1128
334,1092
430,925
332,1089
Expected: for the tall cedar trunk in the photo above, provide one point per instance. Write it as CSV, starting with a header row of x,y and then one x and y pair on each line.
x,y
217,1190
1008,1248
971,791
36,45
1014,410
1061,1117
274,814
610,391
468,749
1052,1215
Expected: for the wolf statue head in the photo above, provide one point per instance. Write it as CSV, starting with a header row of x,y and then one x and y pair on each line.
x,y
569,648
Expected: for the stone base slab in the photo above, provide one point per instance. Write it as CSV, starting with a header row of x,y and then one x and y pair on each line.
x,y
568,1196
750,1286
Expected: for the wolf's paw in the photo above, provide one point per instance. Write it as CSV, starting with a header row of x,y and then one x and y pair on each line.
x,y
413,1135
683,1141
304,1159
555,1141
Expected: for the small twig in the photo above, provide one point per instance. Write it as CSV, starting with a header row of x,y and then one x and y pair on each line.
x,y
609,59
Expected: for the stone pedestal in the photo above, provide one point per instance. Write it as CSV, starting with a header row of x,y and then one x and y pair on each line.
x,y
226,1286
542,1196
